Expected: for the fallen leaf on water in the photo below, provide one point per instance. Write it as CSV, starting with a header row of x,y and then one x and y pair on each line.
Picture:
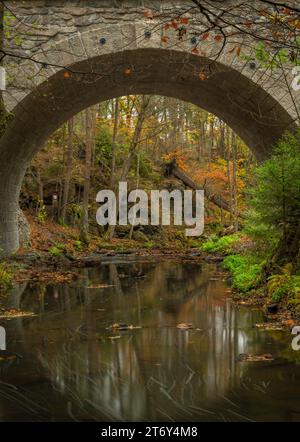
x,y
14,313
119,326
289,322
269,326
134,327
184,326
122,326
99,286
8,358
255,358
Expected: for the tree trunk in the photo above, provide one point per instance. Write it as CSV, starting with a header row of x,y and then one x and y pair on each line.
x,y
68,170
114,143
133,145
229,175
288,250
234,181
90,126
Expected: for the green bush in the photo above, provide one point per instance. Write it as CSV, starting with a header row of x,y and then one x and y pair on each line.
x,y
222,245
6,276
78,245
150,245
274,203
245,270
57,250
284,284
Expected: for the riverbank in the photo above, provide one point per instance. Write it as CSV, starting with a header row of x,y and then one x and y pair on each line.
x,y
56,255
277,295
177,326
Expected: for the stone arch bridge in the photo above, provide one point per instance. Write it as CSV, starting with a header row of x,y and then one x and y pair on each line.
x,y
63,56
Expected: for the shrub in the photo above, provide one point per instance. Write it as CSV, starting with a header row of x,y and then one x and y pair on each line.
x,y
57,250
42,213
274,204
284,284
222,245
78,244
246,271
6,276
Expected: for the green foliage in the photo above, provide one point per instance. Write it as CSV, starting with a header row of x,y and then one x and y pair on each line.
x,y
246,271
284,284
6,276
78,244
103,143
42,214
274,200
150,245
222,244
269,59
76,211
181,236
266,237
57,250
62,223
144,164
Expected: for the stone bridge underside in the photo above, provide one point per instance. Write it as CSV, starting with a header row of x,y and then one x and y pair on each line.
x,y
74,54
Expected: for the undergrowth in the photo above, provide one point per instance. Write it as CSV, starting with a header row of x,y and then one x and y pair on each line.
x,y
246,271
223,245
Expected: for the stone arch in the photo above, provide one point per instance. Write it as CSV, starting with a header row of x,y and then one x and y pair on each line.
x,y
243,103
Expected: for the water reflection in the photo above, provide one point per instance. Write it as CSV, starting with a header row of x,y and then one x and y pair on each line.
x,y
74,368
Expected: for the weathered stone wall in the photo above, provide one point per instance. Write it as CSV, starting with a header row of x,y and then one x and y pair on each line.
x,y
63,32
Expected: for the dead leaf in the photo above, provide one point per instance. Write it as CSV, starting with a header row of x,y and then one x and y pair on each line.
x,y
184,326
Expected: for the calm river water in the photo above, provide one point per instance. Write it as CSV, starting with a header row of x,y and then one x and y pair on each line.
x,y
72,366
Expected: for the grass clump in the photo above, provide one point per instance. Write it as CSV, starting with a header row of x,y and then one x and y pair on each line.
x,y
223,245
245,270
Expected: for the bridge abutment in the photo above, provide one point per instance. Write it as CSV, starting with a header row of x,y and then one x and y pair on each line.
x,y
11,177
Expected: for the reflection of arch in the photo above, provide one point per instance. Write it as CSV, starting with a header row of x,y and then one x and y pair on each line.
x,y
243,104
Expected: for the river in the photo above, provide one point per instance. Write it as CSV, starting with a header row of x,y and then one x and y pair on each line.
x,y
73,366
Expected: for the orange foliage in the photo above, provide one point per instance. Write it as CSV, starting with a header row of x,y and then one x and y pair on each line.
x,y
177,154
216,176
